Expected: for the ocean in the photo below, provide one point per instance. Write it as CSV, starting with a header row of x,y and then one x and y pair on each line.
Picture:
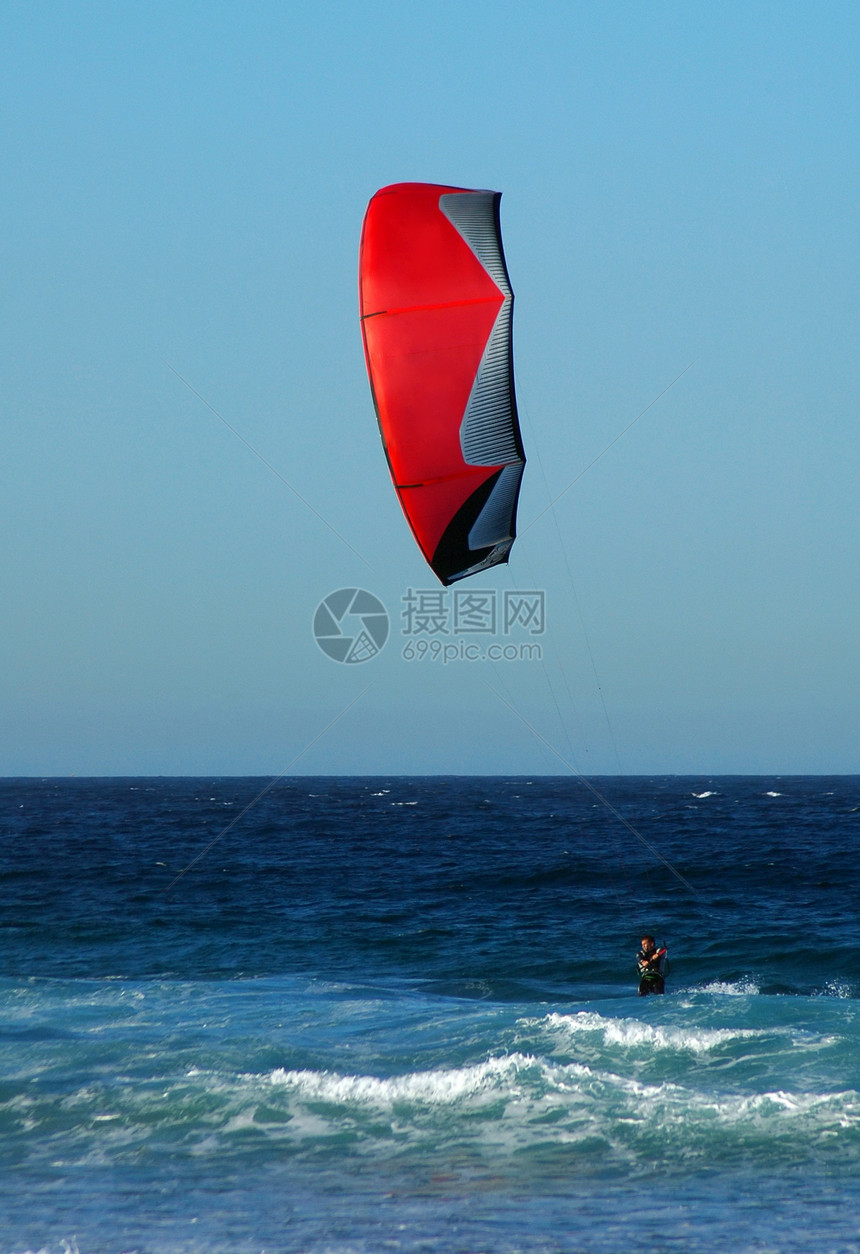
x,y
345,1015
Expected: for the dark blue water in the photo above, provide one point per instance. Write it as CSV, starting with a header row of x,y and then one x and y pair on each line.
x,y
370,1014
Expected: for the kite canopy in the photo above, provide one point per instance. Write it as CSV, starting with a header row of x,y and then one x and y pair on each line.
x,y
436,316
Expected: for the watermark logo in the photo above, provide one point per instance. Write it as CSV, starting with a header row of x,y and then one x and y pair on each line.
x,y
437,625
472,612
445,625
351,625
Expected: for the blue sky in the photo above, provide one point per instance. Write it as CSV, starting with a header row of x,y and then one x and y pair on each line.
x,y
184,189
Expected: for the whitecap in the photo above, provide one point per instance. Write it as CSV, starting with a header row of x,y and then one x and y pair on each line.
x,y
836,988
443,1086
582,1102
634,1033
732,988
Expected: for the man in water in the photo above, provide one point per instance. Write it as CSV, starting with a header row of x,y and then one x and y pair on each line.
x,y
651,963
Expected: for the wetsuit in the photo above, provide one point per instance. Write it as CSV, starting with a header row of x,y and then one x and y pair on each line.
x,y
652,977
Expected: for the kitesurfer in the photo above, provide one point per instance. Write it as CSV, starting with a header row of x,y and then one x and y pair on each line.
x,y
651,964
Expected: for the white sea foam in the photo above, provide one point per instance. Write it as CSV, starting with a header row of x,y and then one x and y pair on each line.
x,y
707,793
243,1121
518,1100
633,1033
744,987
501,1105
779,1110
437,1087
836,988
